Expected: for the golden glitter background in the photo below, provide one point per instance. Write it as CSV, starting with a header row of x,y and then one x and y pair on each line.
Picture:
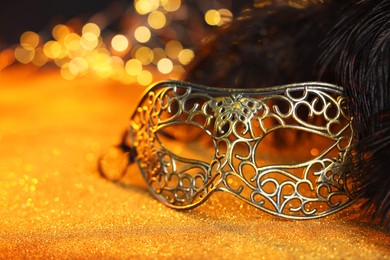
x,y
53,204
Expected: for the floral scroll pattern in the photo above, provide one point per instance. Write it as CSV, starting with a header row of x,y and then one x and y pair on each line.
x,y
237,121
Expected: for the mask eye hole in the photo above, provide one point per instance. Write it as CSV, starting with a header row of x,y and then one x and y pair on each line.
x,y
187,141
292,146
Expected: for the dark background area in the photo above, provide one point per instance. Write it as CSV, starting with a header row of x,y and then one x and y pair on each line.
x,y
19,16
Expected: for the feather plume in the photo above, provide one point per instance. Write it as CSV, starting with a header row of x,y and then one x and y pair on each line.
x,y
342,42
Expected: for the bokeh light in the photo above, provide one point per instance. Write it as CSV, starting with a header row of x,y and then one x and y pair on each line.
x,y
144,55
91,28
225,16
173,48
29,40
171,5
157,20
119,43
142,34
165,65
146,6
133,67
186,56
144,78
24,55
212,17
153,38
60,31
52,49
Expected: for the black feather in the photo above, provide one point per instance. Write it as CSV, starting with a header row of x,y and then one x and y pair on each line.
x,y
342,42
359,45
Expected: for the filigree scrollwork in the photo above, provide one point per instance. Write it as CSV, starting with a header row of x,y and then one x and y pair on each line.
x,y
237,121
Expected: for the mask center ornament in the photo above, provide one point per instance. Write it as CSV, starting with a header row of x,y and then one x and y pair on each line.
x,y
237,123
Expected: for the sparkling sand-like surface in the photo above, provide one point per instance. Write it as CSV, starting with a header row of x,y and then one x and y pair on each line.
x,y
53,204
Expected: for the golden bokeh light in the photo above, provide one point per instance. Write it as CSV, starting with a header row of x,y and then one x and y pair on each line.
x,y
24,55
173,48
226,17
72,42
92,28
165,66
89,41
80,49
314,151
120,43
29,40
144,55
142,34
60,31
212,17
133,67
186,56
171,5
144,78
157,20
146,6
101,64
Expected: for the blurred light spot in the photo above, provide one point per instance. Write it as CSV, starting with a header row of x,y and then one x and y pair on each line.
x,y
119,43
40,58
23,55
212,17
101,64
142,34
72,42
159,53
29,40
89,41
144,78
165,65
157,20
186,56
144,55
92,28
52,49
173,48
171,5
314,151
60,31
226,17
133,67
146,6
90,36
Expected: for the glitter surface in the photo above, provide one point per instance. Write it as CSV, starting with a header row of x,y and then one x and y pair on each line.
x,y
53,204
